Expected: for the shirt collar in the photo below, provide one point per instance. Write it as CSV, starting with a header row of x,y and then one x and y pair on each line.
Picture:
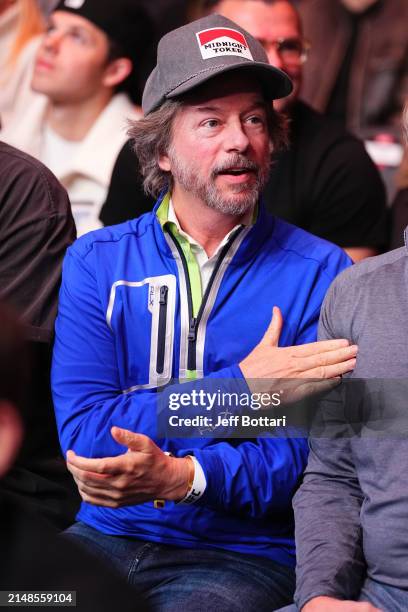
x,y
167,218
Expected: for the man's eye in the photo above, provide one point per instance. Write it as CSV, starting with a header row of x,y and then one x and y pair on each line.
x,y
255,120
78,36
291,45
211,123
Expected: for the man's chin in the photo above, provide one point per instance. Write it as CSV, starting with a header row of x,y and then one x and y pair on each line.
x,y
36,85
236,204
41,86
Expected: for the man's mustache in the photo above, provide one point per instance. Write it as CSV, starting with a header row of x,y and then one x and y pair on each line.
x,y
233,163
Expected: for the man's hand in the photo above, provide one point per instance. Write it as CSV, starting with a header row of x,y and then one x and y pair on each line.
x,y
320,360
329,604
141,474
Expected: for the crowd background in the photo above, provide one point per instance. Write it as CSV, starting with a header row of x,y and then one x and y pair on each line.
x,y
356,73
362,43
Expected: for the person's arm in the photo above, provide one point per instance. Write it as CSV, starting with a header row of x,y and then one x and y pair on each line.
x,y
327,507
330,561
36,228
87,390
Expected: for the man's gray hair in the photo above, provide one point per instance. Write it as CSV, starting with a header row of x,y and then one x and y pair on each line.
x,y
151,137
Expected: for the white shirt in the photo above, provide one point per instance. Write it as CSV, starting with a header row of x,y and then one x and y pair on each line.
x,y
86,175
56,151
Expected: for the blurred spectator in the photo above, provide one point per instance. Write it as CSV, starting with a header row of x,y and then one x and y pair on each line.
x,y
33,558
126,197
358,66
36,227
85,68
166,15
325,182
364,44
21,22
47,5
400,206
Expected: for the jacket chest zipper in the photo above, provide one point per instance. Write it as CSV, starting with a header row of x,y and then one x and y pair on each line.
x,y
161,336
194,322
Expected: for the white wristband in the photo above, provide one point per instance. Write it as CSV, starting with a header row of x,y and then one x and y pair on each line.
x,y
199,484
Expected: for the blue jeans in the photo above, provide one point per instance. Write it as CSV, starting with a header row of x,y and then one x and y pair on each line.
x,y
382,596
197,580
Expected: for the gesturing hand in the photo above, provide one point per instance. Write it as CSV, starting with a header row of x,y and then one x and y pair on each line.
x,y
141,474
320,360
299,371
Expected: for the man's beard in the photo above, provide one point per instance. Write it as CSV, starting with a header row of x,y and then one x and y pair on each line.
x,y
188,176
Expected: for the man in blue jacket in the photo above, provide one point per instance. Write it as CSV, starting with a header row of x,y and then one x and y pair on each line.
x,y
185,293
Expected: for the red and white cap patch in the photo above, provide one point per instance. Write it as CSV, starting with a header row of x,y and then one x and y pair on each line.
x,y
219,42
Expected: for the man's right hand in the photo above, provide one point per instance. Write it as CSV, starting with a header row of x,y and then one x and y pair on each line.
x,y
320,360
329,604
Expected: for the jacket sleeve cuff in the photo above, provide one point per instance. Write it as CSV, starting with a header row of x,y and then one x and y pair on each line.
x,y
214,474
231,380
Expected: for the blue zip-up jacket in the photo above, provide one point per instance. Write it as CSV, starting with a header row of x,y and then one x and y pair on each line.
x,y
113,349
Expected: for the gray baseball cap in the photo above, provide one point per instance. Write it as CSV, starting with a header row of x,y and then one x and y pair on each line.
x,y
203,49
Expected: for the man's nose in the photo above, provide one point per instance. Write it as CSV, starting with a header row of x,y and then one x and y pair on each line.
x,y
52,40
274,57
236,138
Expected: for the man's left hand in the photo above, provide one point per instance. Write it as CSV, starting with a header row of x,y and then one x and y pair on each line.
x,y
141,474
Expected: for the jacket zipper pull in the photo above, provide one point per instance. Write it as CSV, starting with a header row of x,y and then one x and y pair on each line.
x,y
192,332
163,295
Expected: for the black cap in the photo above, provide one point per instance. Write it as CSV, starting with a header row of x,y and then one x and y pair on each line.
x,y
123,21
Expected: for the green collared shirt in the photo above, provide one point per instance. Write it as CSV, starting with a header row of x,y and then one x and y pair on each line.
x,y
199,265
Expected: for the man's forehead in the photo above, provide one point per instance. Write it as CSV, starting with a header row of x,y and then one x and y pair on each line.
x,y
262,19
68,19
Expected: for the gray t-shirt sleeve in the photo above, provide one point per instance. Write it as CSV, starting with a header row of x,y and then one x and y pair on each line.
x,y
327,506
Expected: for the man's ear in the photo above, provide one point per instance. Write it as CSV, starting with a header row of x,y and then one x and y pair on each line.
x,y
11,435
117,71
164,163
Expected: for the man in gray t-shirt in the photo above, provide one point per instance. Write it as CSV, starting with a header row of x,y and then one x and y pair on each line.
x,y
351,511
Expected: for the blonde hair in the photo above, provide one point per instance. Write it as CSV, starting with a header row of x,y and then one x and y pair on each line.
x,y
30,23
